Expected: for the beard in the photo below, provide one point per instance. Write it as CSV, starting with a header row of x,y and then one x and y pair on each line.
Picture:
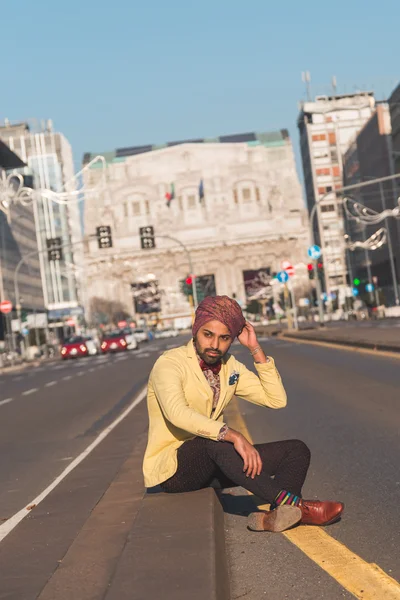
x,y
203,353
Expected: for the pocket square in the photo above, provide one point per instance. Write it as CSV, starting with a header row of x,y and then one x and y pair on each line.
x,y
233,378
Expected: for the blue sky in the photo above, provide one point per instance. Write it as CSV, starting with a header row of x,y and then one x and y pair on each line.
x,y
126,72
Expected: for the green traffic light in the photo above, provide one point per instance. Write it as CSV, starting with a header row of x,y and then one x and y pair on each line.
x,y
356,281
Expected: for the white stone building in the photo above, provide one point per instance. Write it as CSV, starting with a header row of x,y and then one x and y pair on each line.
x,y
252,215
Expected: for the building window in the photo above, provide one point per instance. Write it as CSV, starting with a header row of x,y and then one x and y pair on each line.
x,y
147,207
334,156
332,139
180,203
126,213
246,194
136,208
328,188
328,208
320,137
336,171
258,195
324,171
191,201
235,197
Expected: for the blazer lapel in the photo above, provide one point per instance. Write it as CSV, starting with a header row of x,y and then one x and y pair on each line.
x,y
223,376
196,370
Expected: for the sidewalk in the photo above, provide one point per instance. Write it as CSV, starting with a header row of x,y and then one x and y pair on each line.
x,y
375,338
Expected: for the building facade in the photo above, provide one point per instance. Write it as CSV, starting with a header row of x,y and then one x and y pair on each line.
x,y
370,156
235,202
327,126
17,241
48,159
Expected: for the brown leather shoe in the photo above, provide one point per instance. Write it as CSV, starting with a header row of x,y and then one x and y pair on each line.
x,y
279,519
316,512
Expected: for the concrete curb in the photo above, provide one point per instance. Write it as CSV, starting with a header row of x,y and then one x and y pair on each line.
x,y
380,347
175,550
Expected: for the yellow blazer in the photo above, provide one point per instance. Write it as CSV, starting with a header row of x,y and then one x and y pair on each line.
x,y
179,401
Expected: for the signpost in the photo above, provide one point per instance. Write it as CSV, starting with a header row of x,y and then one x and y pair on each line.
x,y
314,252
6,307
282,276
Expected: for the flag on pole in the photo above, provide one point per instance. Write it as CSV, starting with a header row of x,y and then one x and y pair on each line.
x,y
201,190
169,196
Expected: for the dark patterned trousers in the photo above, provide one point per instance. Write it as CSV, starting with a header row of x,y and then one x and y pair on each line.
x,y
203,462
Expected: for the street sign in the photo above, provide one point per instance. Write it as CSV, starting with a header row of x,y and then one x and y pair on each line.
x,y
282,276
70,322
6,307
314,252
370,287
122,324
290,270
355,291
288,267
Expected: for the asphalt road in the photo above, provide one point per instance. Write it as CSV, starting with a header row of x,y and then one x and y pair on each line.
x,y
50,414
346,407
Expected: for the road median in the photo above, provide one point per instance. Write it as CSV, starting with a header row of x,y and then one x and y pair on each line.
x,y
380,340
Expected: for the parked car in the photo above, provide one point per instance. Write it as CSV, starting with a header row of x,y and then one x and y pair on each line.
x,y
130,338
141,335
91,345
114,342
74,347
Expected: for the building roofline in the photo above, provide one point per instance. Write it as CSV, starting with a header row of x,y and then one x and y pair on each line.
x,y
271,138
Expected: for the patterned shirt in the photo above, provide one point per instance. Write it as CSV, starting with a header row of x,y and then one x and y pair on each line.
x,y
215,384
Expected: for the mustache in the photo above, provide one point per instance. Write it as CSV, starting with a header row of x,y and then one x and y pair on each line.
x,y
213,350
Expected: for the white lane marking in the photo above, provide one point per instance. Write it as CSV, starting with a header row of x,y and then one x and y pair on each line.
x,y
17,378
80,373
91,370
59,367
31,391
50,383
6,401
144,355
67,377
13,521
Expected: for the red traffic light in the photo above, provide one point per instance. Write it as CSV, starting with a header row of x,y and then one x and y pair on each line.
x,y
188,280
310,267
320,265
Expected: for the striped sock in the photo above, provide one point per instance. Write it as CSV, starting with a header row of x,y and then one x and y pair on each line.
x,y
285,497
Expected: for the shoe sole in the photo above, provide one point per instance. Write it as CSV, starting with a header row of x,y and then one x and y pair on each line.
x,y
278,520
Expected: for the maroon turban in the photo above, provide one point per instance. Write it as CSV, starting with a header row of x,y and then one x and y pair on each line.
x,y
219,308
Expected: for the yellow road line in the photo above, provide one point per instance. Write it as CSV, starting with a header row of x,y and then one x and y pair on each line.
x,y
325,344
364,580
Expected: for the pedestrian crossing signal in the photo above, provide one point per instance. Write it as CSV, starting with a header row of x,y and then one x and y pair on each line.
x,y
104,238
147,237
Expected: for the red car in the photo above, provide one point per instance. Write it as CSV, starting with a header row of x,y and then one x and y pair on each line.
x,y
74,347
114,342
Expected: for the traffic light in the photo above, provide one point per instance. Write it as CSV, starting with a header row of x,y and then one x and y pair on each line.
x,y
187,286
104,238
310,268
356,282
147,238
54,250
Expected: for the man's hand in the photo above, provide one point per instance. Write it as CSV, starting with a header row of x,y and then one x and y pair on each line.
x,y
252,463
248,337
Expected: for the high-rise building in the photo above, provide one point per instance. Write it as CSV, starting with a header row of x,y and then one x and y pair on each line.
x,y
17,241
235,202
48,158
327,127
371,156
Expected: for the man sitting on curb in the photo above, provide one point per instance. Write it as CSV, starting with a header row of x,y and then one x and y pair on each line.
x,y
189,445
